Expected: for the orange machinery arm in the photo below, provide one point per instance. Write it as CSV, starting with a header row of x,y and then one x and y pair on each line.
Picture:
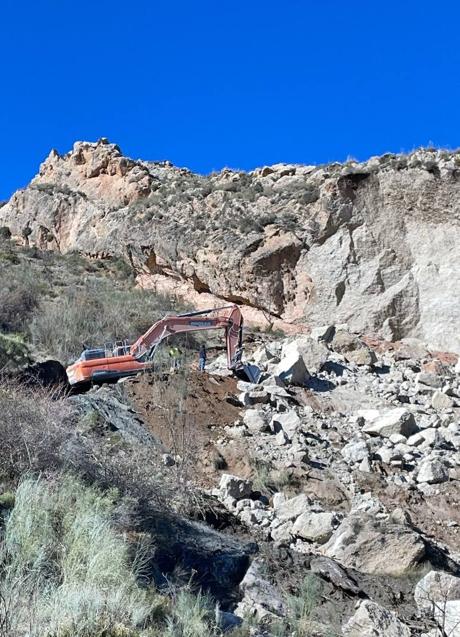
x,y
228,318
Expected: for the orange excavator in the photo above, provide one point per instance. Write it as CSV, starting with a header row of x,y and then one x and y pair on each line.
x,y
107,364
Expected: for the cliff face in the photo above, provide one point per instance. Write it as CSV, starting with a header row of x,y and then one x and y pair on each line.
x,y
373,244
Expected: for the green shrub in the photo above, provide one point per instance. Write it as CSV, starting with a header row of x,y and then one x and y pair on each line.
x,y
14,353
64,569
20,293
7,500
98,314
191,615
5,233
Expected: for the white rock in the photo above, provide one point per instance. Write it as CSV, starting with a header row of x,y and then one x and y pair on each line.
x,y
292,508
291,368
397,438
449,618
388,454
315,527
395,421
288,421
355,451
234,487
372,620
282,533
281,438
433,590
255,420
432,471
415,440
323,333
429,379
278,500
441,401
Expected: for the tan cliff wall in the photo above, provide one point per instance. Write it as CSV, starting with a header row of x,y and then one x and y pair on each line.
x,y
373,244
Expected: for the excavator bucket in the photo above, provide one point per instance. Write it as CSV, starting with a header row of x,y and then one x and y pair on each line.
x,y
250,373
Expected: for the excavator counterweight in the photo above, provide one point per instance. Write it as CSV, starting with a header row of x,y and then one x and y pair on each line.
x,y
108,364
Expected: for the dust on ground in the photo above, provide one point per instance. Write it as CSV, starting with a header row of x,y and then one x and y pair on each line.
x,y
188,411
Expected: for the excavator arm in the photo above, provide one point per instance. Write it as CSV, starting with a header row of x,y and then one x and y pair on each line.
x,y
228,318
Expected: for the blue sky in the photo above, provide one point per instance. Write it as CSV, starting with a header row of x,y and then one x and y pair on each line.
x,y
209,84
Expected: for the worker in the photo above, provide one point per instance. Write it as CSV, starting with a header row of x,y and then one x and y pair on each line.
x,y
26,232
174,355
202,357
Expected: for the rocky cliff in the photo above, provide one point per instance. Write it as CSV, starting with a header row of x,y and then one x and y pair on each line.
x,y
373,244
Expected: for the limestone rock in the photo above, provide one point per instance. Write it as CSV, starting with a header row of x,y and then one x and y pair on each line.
x,y
260,597
449,618
441,400
432,471
324,333
433,590
354,350
355,451
360,543
292,508
382,253
234,487
291,368
255,420
395,421
315,527
288,421
372,620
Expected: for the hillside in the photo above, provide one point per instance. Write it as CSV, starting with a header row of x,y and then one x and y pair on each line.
x,y
371,244
321,501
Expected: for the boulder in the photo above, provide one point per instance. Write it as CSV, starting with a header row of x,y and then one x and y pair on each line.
x,y
372,620
314,353
352,348
288,421
323,333
255,420
292,508
433,471
434,590
449,618
395,421
375,547
254,397
315,527
282,532
440,400
260,597
429,380
234,487
355,451
291,368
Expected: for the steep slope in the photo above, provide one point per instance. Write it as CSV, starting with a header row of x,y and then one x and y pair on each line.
x,y
373,244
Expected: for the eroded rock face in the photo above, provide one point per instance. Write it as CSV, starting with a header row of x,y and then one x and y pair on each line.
x,y
374,245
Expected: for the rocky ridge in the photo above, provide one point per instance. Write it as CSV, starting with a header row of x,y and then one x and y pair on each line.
x,y
371,244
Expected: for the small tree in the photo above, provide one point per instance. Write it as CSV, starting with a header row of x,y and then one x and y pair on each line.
x,y
5,233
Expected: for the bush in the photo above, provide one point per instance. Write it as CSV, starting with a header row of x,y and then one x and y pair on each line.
x,y
5,233
14,353
32,430
20,293
97,314
64,569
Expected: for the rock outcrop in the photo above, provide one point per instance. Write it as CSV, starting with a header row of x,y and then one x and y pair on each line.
x,y
373,244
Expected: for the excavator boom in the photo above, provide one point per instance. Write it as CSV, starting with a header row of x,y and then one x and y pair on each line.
x,y
102,365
